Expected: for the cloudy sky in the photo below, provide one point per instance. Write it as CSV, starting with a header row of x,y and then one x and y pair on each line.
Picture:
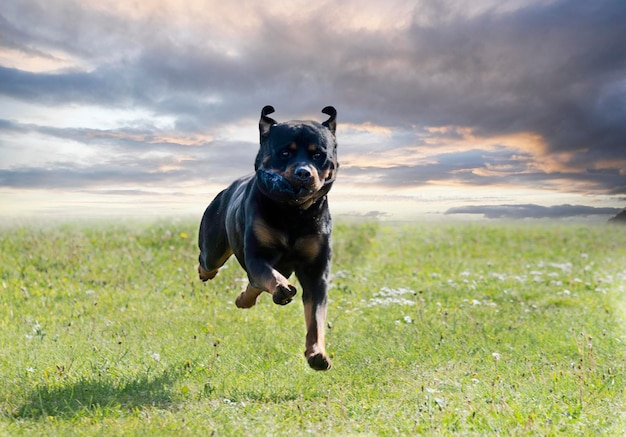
x,y
501,109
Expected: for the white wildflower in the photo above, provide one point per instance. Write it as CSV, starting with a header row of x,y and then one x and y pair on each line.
x,y
390,296
389,301
565,267
386,291
500,276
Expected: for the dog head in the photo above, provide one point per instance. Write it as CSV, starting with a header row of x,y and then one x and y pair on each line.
x,y
297,160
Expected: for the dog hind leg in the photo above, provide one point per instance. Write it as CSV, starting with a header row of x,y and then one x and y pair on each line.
x,y
213,240
248,297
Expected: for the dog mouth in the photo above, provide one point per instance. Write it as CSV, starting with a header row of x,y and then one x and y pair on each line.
x,y
303,191
282,189
275,185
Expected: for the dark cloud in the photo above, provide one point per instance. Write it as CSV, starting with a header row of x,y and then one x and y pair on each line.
x,y
72,176
556,69
127,172
532,211
57,88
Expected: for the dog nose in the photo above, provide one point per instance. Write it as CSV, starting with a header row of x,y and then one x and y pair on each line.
x,y
302,173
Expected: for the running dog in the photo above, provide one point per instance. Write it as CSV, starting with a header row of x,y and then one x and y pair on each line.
x,y
276,222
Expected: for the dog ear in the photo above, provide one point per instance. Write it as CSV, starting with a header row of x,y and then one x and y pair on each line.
x,y
331,123
266,122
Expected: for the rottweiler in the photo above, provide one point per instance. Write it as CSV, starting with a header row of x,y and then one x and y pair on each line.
x,y
276,222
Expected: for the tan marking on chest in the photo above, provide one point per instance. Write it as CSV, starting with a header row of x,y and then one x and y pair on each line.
x,y
268,236
308,247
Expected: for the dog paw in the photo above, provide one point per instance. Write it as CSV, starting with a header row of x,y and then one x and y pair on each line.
x,y
284,294
204,275
319,362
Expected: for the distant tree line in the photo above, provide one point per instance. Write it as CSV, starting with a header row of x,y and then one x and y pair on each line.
x,y
619,218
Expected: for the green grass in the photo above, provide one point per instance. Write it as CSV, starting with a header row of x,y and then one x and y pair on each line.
x,y
471,329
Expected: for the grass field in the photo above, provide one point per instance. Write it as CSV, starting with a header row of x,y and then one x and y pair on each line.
x,y
470,329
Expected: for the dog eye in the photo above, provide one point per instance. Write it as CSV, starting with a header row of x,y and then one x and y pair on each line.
x,y
317,156
285,154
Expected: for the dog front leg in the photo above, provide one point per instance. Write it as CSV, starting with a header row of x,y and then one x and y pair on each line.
x,y
315,318
263,277
314,298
